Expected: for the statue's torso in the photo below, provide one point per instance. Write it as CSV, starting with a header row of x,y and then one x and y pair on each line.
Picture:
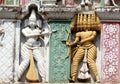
x,y
33,40
86,35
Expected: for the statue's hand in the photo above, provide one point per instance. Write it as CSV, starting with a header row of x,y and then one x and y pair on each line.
x,y
2,31
68,43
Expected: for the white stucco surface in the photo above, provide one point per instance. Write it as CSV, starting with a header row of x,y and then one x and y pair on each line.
x,y
7,52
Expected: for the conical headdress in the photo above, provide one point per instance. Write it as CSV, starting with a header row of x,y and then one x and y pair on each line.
x,y
32,17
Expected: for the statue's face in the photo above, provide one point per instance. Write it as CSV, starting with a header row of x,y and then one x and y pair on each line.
x,y
32,19
32,24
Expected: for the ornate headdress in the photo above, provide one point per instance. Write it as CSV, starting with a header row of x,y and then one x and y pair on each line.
x,y
83,21
32,18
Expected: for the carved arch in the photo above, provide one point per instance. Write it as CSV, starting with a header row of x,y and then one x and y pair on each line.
x,y
36,3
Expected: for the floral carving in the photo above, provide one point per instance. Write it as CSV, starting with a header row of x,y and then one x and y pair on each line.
x,y
110,52
59,62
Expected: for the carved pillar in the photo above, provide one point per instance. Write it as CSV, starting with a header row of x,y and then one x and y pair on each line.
x,y
59,68
17,47
63,2
110,51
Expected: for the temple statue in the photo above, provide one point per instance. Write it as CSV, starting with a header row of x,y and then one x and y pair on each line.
x,y
32,49
85,2
82,48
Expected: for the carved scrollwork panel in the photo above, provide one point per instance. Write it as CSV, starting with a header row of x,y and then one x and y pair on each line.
x,y
59,61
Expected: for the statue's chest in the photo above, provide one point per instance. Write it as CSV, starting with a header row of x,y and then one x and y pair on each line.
x,y
33,31
86,34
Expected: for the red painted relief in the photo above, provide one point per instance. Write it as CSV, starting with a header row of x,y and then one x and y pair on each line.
x,y
69,2
110,52
2,1
24,2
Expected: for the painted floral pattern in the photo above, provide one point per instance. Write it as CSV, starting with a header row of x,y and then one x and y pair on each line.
x,y
110,52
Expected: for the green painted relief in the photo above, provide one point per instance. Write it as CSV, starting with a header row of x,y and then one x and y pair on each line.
x,y
9,2
59,60
102,3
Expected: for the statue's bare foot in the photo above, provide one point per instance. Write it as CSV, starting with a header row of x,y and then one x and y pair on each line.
x,y
98,81
72,81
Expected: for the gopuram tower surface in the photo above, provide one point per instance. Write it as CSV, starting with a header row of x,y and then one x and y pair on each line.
x,y
59,41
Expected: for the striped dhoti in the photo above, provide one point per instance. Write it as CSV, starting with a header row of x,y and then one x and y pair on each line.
x,y
91,56
38,57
